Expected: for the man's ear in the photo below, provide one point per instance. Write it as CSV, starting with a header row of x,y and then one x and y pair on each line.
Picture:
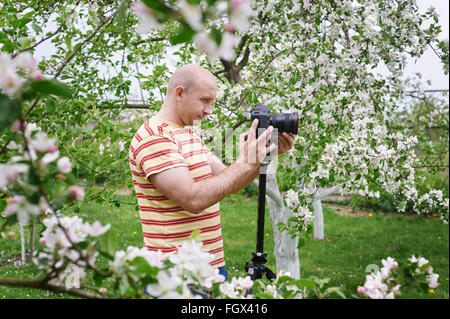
x,y
179,93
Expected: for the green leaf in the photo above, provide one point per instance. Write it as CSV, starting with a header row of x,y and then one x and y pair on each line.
x,y
52,87
98,279
51,105
304,283
337,290
2,205
184,34
193,2
216,35
301,243
155,5
9,111
36,28
120,20
11,219
282,279
107,244
141,266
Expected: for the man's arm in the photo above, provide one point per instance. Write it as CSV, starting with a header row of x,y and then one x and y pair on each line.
x,y
178,185
216,164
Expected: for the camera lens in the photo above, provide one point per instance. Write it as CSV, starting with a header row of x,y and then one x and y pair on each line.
x,y
285,122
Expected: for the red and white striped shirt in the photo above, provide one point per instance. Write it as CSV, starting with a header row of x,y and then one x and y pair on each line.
x,y
159,145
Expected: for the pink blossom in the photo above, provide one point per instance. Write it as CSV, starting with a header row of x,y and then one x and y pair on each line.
x,y
49,157
76,192
11,83
235,4
389,295
207,45
192,14
97,229
240,14
42,144
64,165
146,15
227,45
229,27
25,61
38,75
20,206
141,9
422,261
389,262
9,173
432,280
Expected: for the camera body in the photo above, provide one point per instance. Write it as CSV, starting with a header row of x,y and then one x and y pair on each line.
x,y
283,122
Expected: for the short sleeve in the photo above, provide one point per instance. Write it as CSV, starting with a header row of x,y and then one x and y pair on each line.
x,y
157,153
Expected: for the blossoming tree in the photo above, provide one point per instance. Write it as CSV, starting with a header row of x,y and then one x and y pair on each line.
x,y
313,58
319,59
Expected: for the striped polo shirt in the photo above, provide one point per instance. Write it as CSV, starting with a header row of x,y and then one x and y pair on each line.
x,y
159,145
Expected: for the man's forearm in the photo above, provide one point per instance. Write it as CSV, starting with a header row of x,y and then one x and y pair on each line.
x,y
212,190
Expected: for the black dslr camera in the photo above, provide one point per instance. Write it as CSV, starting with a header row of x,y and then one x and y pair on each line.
x,y
284,122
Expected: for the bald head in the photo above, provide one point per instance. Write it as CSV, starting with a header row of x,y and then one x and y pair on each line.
x,y
189,76
190,94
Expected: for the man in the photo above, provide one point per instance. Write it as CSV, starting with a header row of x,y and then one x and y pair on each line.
x,y
178,181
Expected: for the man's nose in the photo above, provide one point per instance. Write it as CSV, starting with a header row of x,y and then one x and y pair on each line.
x,y
207,110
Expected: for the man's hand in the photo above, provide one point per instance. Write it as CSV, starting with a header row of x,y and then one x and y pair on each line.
x,y
285,142
253,150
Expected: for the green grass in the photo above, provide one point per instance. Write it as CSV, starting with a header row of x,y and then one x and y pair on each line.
x,y
350,245
353,243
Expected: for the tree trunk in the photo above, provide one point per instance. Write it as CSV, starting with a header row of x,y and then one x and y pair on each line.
x,y
318,220
318,212
285,250
31,253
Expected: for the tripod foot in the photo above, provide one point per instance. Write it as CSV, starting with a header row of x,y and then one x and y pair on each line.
x,y
256,269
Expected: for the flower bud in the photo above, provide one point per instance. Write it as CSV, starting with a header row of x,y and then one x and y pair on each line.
x,y
229,27
38,75
64,165
60,176
76,192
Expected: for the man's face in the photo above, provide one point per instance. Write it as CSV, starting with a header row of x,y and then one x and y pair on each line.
x,y
197,102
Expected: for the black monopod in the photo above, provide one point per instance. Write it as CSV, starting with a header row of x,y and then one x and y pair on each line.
x,y
257,268
284,122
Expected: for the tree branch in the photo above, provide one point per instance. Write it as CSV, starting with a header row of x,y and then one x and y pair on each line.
x,y
52,34
38,284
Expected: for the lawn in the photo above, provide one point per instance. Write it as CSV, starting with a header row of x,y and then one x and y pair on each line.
x,y
350,245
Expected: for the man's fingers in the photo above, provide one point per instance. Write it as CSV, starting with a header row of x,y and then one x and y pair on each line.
x,y
266,135
254,124
282,144
271,148
252,131
286,140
